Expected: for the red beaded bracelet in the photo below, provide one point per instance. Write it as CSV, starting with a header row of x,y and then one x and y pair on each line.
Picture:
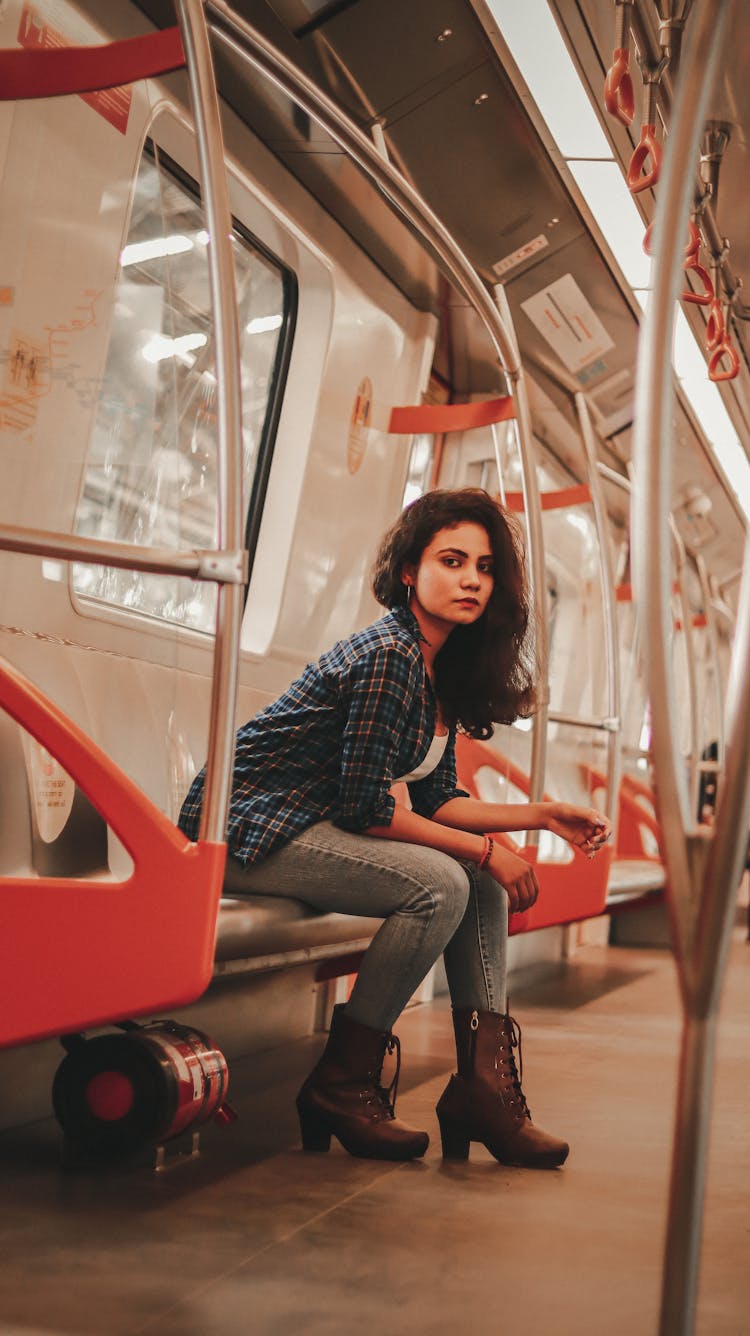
x,y
489,845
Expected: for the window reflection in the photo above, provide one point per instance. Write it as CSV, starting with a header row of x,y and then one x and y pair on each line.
x,y
151,470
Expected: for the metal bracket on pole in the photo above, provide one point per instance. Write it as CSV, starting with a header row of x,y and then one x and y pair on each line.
x,y
224,567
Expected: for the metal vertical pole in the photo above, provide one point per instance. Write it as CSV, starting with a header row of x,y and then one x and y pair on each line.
x,y
215,196
537,566
696,952
653,424
606,568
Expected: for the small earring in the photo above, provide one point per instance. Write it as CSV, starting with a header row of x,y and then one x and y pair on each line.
x,y
408,594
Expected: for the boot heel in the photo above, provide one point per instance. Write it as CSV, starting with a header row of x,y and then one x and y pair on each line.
x,y
455,1140
315,1131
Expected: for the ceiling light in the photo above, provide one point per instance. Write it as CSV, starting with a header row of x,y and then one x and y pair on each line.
x,y
541,55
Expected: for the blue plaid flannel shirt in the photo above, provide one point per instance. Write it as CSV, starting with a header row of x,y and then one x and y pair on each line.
x,y
330,747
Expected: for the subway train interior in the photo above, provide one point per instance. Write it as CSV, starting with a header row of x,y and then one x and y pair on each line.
x,y
271,270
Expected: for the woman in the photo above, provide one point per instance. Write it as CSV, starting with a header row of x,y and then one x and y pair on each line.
x,y
312,816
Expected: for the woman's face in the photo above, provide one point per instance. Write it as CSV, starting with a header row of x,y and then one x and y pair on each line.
x,y
454,580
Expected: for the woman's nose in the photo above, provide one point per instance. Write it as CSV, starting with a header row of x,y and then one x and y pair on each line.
x,y
470,578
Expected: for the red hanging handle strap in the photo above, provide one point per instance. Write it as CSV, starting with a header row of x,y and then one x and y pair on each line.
x,y
618,87
699,298
86,69
724,349
691,249
715,327
647,147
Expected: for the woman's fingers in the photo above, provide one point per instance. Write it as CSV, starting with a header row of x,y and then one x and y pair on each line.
x,y
583,827
523,892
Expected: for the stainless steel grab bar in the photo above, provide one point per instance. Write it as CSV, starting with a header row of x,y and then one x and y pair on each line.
x,y
703,867
223,708
606,567
197,564
245,41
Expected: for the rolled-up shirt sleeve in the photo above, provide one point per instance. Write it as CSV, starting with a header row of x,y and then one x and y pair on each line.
x,y
428,794
379,691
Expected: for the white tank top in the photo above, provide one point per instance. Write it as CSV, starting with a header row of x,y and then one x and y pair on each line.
x,y
430,762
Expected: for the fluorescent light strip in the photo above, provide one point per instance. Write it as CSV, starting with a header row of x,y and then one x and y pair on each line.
x,y
541,55
535,43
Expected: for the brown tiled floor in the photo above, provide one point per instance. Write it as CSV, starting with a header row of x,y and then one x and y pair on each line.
x,y
257,1237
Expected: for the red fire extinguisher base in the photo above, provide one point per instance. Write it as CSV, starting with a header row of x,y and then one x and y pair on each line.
x,y
117,1093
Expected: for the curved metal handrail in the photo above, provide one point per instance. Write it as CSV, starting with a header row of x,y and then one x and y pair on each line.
x,y
703,872
246,42
223,709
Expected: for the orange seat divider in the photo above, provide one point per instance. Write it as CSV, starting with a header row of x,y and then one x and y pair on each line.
x,y
78,953
632,816
433,419
568,892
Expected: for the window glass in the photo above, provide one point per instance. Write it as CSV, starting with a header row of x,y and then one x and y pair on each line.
x,y
150,474
421,464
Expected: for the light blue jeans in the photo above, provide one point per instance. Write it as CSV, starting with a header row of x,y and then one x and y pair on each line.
x,y
429,901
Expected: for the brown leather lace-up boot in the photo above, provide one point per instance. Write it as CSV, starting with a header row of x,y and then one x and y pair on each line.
x,y
343,1096
484,1101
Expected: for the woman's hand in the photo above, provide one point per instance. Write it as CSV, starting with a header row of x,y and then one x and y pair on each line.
x,y
516,876
584,827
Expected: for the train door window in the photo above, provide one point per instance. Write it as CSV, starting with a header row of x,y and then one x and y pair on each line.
x,y
150,475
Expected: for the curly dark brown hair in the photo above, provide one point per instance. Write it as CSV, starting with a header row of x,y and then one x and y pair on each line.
x,y
484,673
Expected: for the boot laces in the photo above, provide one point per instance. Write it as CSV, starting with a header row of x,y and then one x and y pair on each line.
x,y
513,1038
386,1095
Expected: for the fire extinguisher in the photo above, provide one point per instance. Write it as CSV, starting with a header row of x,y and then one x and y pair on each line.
x,y
145,1085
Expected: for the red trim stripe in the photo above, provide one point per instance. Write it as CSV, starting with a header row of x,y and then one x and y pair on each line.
x,y
568,496
84,69
435,419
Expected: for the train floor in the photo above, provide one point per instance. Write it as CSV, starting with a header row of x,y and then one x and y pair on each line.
x,y
255,1236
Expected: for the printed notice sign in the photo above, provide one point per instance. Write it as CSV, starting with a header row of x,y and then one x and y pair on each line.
x,y
568,323
51,789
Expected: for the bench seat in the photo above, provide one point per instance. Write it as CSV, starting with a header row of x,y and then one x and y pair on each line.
x,y
630,878
260,932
